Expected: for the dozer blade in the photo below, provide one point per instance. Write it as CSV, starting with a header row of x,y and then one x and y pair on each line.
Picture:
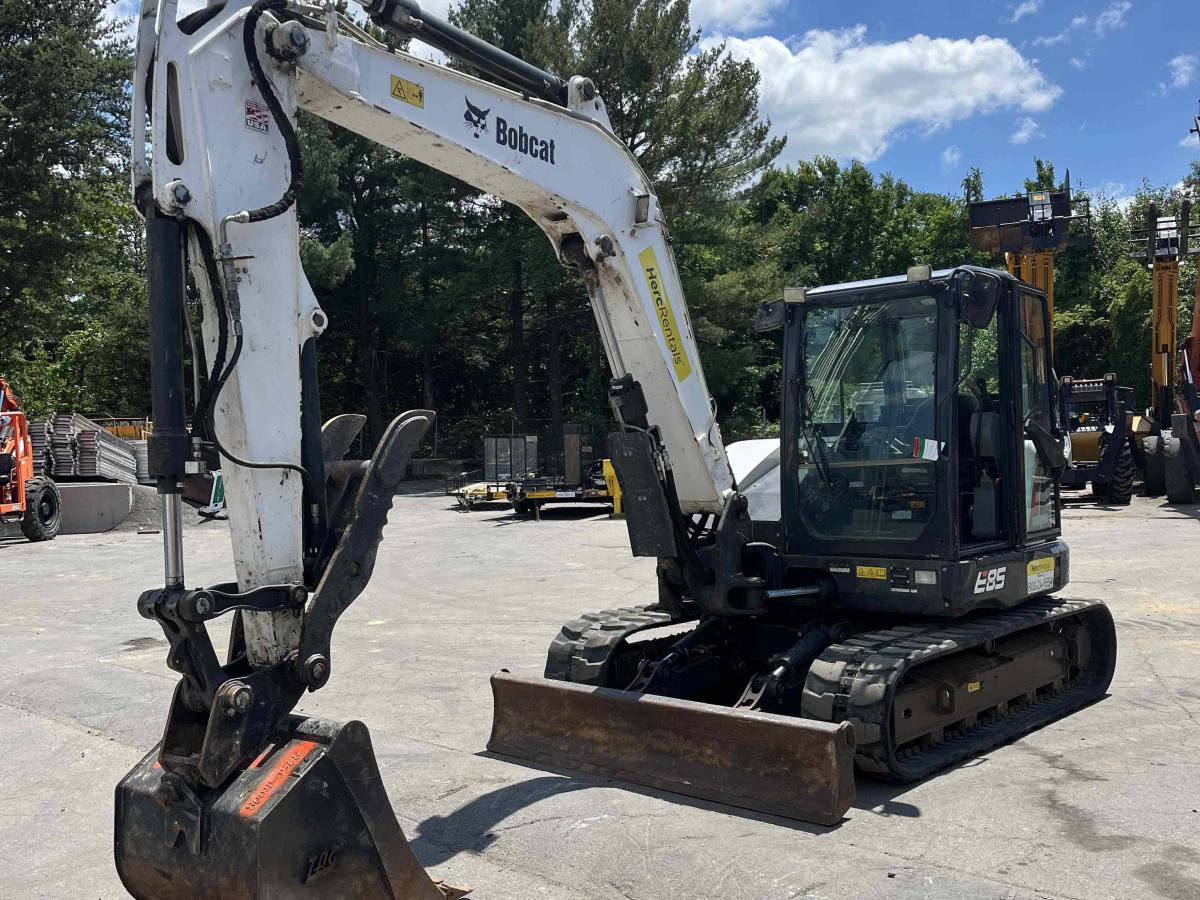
x,y
309,819
797,768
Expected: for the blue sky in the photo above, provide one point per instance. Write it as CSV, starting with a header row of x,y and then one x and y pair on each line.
x,y
927,88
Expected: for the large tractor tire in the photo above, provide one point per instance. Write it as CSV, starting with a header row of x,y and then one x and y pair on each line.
x,y
1154,471
43,510
1119,490
1180,480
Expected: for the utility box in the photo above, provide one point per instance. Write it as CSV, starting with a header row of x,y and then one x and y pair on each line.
x,y
509,457
577,453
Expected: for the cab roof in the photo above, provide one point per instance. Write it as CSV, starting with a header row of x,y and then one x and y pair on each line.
x,y
890,280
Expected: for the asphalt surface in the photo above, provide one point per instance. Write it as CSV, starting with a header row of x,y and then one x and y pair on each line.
x,y
1103,804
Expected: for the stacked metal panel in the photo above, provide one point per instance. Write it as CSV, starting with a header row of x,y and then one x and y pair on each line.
x,y
82,449
62,445
39,437
141,452
100,455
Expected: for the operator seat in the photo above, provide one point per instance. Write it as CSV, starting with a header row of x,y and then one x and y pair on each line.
x,y
984,499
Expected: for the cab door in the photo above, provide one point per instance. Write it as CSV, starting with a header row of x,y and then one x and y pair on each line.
x,y
1039,450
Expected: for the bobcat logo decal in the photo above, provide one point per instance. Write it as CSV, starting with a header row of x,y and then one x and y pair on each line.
x,y
476,118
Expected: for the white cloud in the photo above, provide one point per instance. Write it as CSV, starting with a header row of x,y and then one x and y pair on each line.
x,y
1189,140
951,157
836,93
1183,70
1112,192
1113,17
1027,130
1027,8
1051,40
127,10
1079,63
733,16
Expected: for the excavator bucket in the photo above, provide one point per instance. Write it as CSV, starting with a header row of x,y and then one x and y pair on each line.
x,y
255,837
797,768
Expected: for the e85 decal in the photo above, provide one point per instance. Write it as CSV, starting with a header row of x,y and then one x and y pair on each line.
x,y
990,580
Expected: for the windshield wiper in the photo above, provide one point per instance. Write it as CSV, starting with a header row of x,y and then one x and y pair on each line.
x,y
816,446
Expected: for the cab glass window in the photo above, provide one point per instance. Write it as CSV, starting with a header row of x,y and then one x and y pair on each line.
x,y
868,436
1040,509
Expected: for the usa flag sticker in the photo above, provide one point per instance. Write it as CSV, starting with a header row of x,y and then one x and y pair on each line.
x,y
258,117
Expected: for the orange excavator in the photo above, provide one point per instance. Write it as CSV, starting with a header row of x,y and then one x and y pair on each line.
x,y
32,500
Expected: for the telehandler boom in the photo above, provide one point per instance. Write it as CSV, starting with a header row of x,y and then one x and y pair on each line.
x,y
837,591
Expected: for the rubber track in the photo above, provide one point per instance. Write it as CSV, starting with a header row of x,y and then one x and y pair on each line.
x,y
861,675
581,650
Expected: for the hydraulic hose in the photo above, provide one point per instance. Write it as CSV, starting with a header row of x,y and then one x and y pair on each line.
x,y
202,414
282,120
225,291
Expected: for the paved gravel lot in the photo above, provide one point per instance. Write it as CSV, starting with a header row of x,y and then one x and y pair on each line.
x,y
1103,804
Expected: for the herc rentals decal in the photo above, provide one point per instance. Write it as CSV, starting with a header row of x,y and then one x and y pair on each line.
x,y
666,316
514,137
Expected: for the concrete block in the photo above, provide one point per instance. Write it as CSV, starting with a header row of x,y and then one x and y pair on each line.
x,y
91,507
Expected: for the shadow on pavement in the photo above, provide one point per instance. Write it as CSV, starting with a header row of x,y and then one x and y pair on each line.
x,y
564,513
1181,512
473,826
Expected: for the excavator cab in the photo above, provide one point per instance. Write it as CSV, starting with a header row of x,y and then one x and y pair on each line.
x,y
906,476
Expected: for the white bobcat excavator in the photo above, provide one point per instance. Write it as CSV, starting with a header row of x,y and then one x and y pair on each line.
x,y
870,590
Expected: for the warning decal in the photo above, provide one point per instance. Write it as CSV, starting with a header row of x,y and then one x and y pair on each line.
x,y
409,91
879,573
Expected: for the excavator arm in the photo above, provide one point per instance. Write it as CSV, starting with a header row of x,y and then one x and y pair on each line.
x,y
217,170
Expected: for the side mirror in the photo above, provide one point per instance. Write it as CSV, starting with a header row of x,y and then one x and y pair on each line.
x,y
978,295
769,315
1051,448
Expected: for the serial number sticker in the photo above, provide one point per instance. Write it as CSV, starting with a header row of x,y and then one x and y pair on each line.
x,y
564,495
1040,574
902,514
841,570
409,91
879,573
